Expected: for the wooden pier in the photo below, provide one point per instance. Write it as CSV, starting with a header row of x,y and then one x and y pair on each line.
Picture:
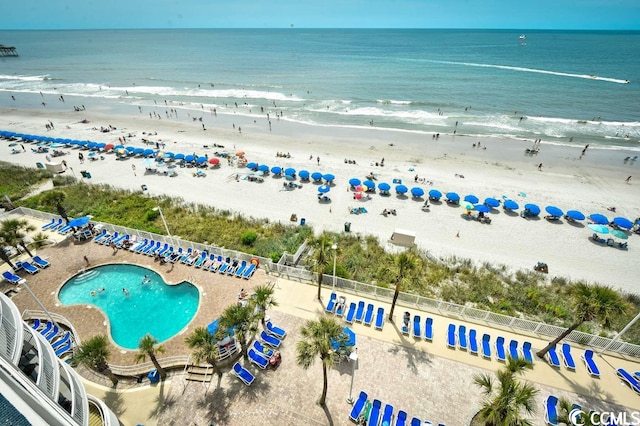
x,y
7,51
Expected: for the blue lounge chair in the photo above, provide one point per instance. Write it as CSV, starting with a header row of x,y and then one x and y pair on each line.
x,y
233,267
275,331
358,406
387,415
186,255
567,357
241,269
374,414
360,311
47,328
176,256
351,313
29,268
417,332
51,335
64,349
36,324
152,249
249,272
217,261
551,410
401,419
486,346
260,348
65,229
146,246
138,245
379,319
552,357
368,315
49,225
331,304
65,338
526,352
462,337
101,235
513,349
340,307
629,379
500,352
592,368
451,336
163,250
259,360
416,422
56,225
203,256
473,342
11,277
107,240
225,264
243,374
270,340
40,262
428,329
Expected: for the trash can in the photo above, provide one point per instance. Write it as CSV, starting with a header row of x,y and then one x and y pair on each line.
x,y
153,376
347,227
302,221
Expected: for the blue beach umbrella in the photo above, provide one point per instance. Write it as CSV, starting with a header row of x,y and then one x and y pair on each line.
x,y
619,234
147,152
599,219
417,192
384,186
453,196
263,168
304,174
316,176
554,211
276,170
178,156
138,151
201,160
80,221
575,215
130,149
471,198
82,143
354,182
329,177
481,208
435,194
623,222
534,210
369,184
401,189
600,229
190,158
491,202
290,171
101,145
324,189
252,166
92,145
289,177
168,155
118,147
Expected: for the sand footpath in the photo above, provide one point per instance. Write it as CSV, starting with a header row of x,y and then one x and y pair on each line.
x,y
590,183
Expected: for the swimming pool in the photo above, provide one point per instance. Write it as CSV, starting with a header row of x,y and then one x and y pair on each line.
x,y
146,307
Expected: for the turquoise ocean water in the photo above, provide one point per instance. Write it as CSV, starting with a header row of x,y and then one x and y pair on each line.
x,y
564,84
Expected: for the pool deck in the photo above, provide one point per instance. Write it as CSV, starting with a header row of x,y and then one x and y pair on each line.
x,y
425,379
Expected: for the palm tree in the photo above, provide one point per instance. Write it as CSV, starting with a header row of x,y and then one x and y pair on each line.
x,y
94,354
263,299
405,263
591,303
317,337
241,319
567,410
321,257
13,232
506,398
205,347
147,346
55,198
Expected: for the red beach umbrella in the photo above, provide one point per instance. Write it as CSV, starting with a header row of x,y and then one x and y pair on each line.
x,y
214,161
109,147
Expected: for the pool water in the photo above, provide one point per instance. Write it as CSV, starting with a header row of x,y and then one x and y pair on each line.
x,y
146,307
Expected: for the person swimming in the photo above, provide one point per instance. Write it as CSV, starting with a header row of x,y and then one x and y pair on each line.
x,y
145,280
126,293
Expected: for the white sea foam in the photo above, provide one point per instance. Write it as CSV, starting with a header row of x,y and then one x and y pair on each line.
x,y
24,77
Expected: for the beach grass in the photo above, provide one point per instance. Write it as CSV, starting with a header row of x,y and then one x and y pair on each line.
x,y
17,181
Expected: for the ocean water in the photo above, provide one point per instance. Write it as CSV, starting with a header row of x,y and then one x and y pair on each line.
x,y
565,87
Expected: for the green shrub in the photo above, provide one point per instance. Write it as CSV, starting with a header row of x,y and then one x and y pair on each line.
x,y
152,215
248,238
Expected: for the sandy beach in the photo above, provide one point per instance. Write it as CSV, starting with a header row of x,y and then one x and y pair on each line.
x,y
589,183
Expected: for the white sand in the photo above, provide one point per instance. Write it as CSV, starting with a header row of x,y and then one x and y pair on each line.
x,y
589,184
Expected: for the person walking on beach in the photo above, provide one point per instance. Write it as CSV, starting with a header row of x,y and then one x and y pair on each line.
x,y
628,180
318,159
133,167
81,158
540,167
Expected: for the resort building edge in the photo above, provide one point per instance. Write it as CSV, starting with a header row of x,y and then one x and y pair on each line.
x,y
39,388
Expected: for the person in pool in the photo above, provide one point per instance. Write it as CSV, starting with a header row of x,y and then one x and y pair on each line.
x,y
146,280
126,293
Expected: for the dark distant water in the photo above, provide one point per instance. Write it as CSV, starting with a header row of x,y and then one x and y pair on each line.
x,y
564,84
